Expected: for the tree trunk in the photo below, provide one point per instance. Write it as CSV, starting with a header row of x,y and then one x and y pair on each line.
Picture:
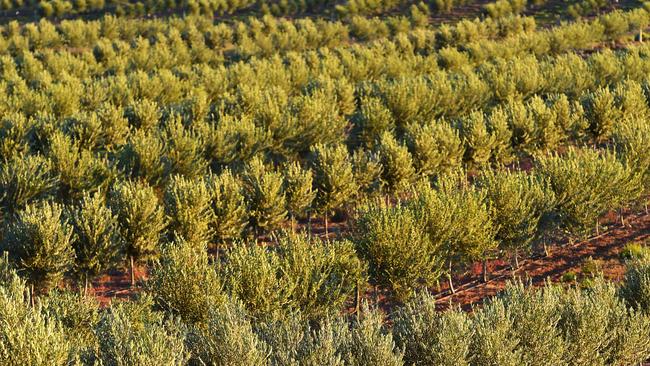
x,y
31,295
309,224
132,272
597,228
450,280
357,301
516,259
546,250
86,285
485,270
622,218
326,228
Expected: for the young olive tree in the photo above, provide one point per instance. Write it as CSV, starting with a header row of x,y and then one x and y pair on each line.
x,y
333,178
188,205
229,211
184,283
40,244
264,193
400,254
24,179
518,201
586,184
98,244
299,188
141,220
458,220
398,172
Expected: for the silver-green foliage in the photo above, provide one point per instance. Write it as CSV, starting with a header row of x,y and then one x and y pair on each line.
x,y
77,315
457,218
398,171
141,218
98,244
229,211
430,337
188,205
78,169
299,189
399,251
264,193
301,273
40,244
23,179
587,183
636,286
184,283
333,177
28,336
132,334
227,338
518,202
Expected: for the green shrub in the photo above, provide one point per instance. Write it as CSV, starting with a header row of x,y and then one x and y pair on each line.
x,y
398,172
518,202
602,113
436,147
333,177
299,190
372,119
587,323
636,285
301,273
188,205
77,315
368,343
494,339
230,214
635,251
143,157
183,283
28,335
98,244
131,334
400,254
141,220
40,244
79,171
265,196
24,179
457,219
587,183
535,326
431,337
227,338
630,141
184,149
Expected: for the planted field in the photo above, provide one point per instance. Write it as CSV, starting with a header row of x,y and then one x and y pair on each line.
x,y
324,183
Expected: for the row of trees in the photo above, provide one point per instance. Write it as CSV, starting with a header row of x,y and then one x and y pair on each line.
x,y
602,324
267,35
411,245
406,247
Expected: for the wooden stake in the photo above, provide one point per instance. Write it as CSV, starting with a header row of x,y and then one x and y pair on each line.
x,y
451,282
132,272
357,301
485,270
